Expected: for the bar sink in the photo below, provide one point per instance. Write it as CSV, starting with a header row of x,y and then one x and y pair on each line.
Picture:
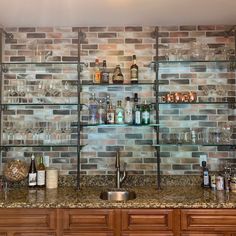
x,y
117,195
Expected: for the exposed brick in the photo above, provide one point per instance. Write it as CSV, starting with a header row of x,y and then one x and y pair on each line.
x,y
133,41
133,28
27,29
107,35
36,35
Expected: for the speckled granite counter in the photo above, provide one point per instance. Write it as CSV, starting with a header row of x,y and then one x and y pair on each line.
x,y
147,197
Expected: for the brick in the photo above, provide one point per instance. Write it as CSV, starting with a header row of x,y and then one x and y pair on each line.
x,y
107,35
36,35
133,28
132,40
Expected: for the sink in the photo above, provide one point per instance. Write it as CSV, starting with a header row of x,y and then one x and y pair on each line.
x,y
117,195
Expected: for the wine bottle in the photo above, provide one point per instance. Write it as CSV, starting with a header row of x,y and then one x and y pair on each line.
x,y
41,170
134,71
32,176
104,73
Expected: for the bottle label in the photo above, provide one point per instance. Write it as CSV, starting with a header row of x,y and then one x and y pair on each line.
x,y
137,118
32,179
134,74
128,116
110,118
145,117
41,177
120,118
205,178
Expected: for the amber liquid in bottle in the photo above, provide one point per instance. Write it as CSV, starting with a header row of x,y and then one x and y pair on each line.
x,y
134,71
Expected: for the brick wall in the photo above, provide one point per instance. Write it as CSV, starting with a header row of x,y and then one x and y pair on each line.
x,y
117,45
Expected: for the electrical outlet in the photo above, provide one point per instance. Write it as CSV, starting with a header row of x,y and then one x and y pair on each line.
x,y
46,161
202,158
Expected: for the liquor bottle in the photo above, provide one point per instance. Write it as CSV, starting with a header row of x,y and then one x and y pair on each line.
x,y
119,117
93,110
134,71
205,176
41,171
101,113
128,111
137,115
145,113
32,176
117,77
104,73
96,73
110,114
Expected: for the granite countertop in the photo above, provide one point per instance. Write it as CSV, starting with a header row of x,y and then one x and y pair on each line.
x,y
88,197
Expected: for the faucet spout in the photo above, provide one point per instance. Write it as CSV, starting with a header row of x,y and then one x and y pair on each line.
x,y
119,178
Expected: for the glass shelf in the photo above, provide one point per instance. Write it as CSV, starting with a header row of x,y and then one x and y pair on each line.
x,y
125,84
197,144
118,125
196,61
187,103
38,145
41,63
39,104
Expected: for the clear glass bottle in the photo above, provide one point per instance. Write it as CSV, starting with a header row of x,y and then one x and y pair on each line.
x,y
32,176
145,113
134,71
96,73
119,117
101,113
128,111
117,77
104,73
93,110
41,171
110,114
137,115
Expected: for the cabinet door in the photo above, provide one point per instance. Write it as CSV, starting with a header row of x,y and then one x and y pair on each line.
x,y
147,220
88,220
27,219
210,220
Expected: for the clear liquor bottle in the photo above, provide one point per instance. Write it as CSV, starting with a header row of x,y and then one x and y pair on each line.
x,y
145,113
101,113
128,111
93,110
119,117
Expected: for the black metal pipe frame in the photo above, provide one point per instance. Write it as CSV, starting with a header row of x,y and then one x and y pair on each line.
x,y
81,36
158,158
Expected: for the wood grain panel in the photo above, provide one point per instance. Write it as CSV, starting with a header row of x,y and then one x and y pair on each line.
x,y
88,219
147,219
208,219
29,219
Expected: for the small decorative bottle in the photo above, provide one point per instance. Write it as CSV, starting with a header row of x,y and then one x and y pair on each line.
x,y
145,113
119,113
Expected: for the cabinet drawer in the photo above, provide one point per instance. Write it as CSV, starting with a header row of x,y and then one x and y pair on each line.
x,y
147,234
88,234
29,219
147,220
208,219
88,219
34,234
202,233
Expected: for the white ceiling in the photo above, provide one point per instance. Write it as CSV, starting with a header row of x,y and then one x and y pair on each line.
x,y
116,12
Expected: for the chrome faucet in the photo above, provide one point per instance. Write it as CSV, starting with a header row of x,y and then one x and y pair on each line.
x,y
119,179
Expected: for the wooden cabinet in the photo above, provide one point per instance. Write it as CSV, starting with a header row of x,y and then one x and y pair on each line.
x,y
85,222
137,222
209,222
28,222
117,222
